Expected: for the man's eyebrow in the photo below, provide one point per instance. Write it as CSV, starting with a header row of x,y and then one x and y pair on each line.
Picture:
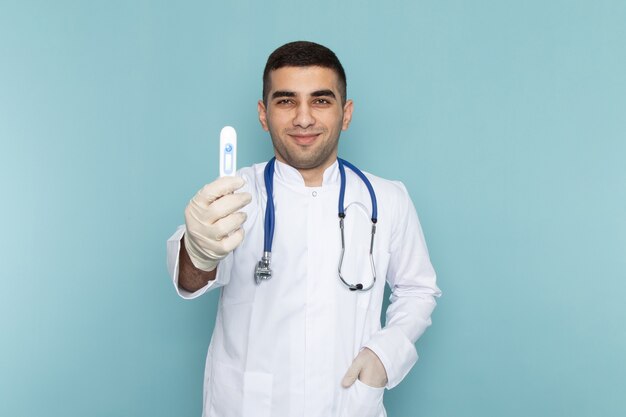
x,y
323,93
277,94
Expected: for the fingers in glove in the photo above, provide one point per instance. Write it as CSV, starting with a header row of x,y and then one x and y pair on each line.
x,y
227,205
230,242
373,371
218,188
225,226
218,209
352,374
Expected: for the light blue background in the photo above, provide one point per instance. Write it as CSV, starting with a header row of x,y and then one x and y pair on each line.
x,y
506,121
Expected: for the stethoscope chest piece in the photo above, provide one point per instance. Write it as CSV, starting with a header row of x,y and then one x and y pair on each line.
x,y
263,272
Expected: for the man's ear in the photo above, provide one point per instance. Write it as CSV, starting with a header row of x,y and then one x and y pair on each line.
x,y
262,115
347,114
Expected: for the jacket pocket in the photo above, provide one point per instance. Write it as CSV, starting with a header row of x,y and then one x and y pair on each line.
x,y
240,394
361,400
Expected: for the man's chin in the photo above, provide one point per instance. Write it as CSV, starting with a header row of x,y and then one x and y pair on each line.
x,y
308,163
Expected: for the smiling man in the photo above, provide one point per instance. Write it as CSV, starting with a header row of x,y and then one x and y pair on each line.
x,y
305,113
305,339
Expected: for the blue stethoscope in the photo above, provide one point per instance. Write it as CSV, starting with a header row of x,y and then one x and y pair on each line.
x,y
263,270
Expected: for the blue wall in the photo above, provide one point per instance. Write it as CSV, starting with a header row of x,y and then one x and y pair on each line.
x,y
506,121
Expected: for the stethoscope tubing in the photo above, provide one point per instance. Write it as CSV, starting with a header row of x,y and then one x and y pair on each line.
x,y
269,210
263,270
342,189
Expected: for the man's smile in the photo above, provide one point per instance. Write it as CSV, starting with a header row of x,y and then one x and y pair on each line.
x,y
304,138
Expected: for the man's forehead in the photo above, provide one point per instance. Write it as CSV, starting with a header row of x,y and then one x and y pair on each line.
x,y
304,80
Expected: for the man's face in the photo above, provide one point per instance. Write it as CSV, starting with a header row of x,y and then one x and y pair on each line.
x,y
304,116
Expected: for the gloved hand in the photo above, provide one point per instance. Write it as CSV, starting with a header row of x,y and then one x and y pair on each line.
x,y
213,222
368,369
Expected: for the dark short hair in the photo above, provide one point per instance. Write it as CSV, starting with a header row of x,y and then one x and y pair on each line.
x,y
303,54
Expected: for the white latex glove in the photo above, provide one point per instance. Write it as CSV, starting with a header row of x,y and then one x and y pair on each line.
x,y
368,369
213,222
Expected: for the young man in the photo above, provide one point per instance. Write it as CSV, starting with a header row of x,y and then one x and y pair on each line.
x,y
307,342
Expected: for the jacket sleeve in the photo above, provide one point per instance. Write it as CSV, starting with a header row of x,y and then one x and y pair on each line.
x,y
173,249
413,292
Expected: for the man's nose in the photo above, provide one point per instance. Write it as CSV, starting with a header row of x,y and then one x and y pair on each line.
x,y
304,117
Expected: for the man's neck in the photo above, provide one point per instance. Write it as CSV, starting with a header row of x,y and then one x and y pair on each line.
x,y
313,177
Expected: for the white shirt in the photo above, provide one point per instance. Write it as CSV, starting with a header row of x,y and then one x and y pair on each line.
x,y
281,348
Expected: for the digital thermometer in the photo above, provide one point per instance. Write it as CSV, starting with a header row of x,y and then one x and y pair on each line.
x,y
228,151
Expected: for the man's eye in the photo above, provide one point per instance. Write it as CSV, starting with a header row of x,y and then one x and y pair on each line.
x,y
322,101
284,101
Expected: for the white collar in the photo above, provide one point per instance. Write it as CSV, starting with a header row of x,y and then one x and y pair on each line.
x,y
291,176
